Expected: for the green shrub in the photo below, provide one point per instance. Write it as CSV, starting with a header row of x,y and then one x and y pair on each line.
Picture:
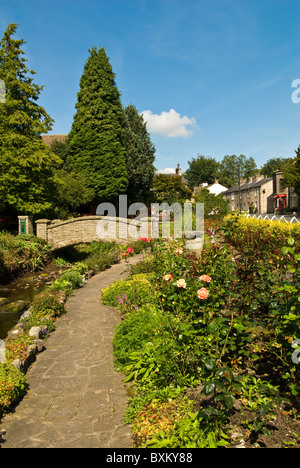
x,y
23,252
129,294
146,265
12,386
152,345
136,330
69,280
48,304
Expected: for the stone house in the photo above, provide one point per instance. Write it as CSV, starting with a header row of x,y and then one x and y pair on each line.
x,y
284,198
255,195
263,195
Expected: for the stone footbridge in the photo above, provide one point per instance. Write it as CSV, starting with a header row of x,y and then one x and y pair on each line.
x,y
60,234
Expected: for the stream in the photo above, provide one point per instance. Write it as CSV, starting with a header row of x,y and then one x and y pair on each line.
x,y
17,295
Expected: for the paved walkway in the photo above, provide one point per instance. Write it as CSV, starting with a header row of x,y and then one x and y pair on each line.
x,y
76,399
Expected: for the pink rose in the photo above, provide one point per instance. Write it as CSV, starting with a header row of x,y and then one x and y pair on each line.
x,y
202,293
205,278
181,283
167,277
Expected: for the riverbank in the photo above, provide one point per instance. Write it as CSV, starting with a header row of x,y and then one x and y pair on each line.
x,y
21,254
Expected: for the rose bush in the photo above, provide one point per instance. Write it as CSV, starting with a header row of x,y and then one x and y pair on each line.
x,y
215,321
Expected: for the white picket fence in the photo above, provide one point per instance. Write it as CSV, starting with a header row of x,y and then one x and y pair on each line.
x,y
272,217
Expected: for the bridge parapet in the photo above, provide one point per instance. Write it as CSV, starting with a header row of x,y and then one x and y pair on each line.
x,y
60,234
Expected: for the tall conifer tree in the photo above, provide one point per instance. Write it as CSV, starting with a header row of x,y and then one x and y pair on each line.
x,y
140,156
96,140
26,163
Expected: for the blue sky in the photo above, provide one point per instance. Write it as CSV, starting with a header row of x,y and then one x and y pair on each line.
x,y
212,77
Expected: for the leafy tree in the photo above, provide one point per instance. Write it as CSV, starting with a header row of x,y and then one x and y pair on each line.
x,y
140,156
291,172
26,163
272,165
96,140
61,148
230,167
201,169
215,206
72,192
170,189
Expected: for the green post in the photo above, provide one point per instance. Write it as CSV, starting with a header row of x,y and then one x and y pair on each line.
x,y
25,225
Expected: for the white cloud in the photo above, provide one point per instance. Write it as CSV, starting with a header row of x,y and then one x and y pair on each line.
x,y
167,170
169,124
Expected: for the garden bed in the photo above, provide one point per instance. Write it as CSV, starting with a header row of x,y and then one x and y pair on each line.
x,y
218,331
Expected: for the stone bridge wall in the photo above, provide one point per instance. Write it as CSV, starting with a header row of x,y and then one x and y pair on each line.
x,y
60,234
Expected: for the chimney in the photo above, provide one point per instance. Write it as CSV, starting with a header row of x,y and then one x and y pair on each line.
x,y
178,170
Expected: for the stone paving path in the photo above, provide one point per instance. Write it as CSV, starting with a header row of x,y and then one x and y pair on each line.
x,y
76,399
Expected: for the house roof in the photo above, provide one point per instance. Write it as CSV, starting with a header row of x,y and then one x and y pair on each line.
x,y
49,139
249,185
216,188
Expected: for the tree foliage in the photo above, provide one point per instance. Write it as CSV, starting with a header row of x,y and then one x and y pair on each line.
x,y
170,189
231,166
273,164
201,169
72,191
291,172
96,140
26,163
215,206
140,156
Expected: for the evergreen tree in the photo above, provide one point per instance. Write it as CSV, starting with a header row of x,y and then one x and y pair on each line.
x,y
96,140
140,156
26,163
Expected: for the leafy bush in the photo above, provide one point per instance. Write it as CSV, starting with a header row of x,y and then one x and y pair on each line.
x,y
16,348
132,334
145,265
129,294
22,252
69,280
262,235
12,386
48,304
216,322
